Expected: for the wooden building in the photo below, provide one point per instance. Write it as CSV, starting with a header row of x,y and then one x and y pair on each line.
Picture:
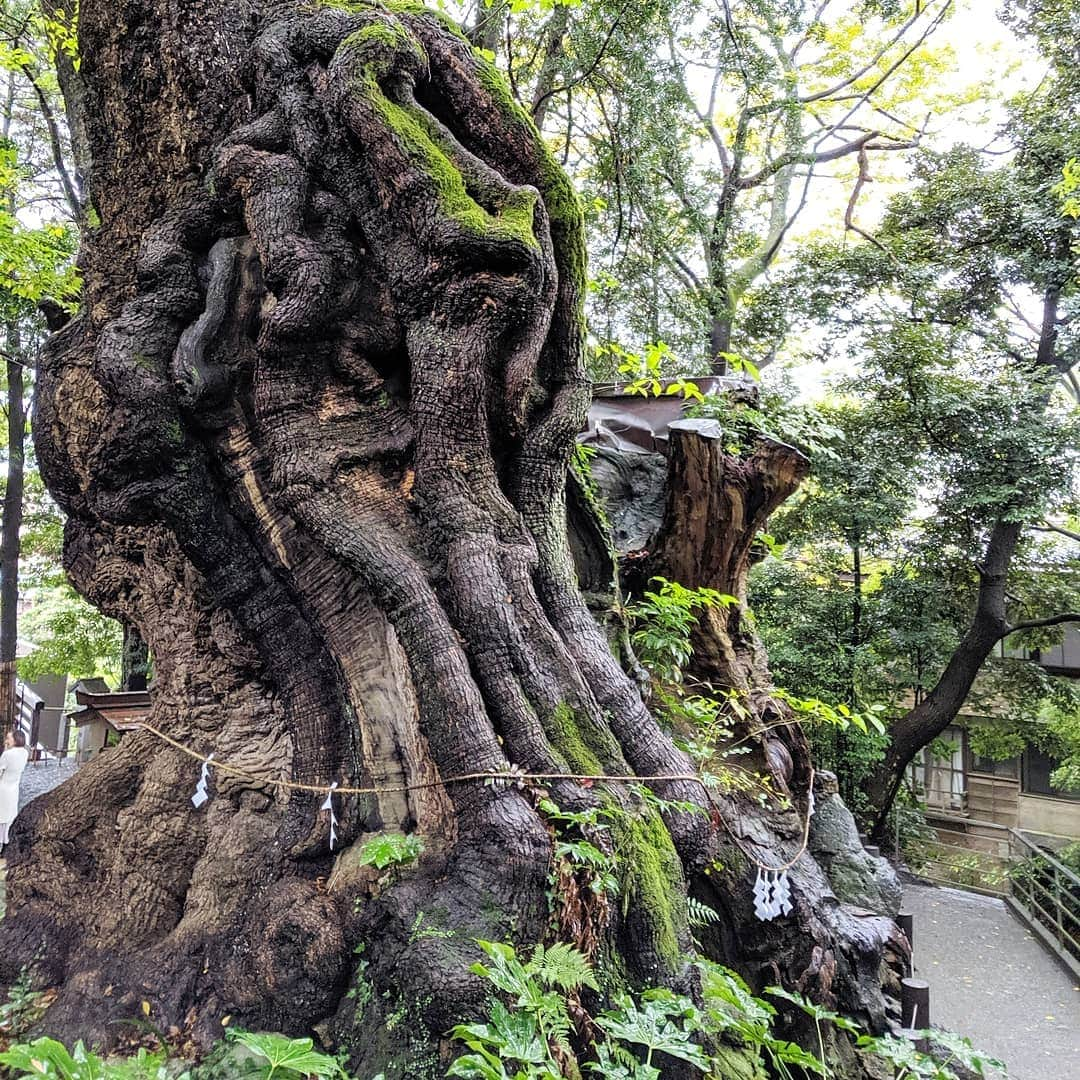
x,y
964,789
104,715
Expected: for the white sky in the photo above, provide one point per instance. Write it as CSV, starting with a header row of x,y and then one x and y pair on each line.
x,y
984,51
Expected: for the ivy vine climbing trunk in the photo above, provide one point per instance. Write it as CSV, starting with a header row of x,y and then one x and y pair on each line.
x,y
311,430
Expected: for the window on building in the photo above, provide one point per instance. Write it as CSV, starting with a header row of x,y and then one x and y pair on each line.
x,y
1009,769
942,778
1035,776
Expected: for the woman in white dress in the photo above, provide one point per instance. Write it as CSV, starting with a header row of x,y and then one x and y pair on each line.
x,y
12,762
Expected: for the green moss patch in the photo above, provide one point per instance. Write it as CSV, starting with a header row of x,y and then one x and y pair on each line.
x,y
652,883
584,748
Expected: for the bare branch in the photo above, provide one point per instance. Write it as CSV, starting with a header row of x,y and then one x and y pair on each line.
x,y
813,22
686,269
820,157
1050,527
1036,624
863,178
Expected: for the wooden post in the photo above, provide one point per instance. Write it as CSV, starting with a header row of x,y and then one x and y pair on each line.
x,y
914,1003
920,1041
906,921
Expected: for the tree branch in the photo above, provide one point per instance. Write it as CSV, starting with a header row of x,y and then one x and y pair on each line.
x,y
863,178
57,146
820,157
821,95
1047,527
686,269
1035,624
539,101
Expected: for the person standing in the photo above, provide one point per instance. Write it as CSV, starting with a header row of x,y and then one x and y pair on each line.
x,y
12,762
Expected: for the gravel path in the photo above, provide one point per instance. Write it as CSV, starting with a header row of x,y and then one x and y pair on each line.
x,y
42,776
992,981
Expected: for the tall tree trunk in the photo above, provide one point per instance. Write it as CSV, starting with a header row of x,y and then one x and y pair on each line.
x,y
9,532
488,29
13,492
550,65
931,715
311,432
719,342
856,614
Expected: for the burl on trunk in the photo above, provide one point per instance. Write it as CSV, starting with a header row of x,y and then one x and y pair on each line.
x,y
311,431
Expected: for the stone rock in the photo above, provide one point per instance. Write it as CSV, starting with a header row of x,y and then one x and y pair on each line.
x,y
631,484
856,877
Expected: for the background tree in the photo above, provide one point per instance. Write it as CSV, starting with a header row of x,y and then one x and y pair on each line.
x,y
36,245
874,628
699,133
70,635
961,309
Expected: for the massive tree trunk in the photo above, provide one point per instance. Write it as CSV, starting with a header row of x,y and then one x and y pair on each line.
x,y
311,431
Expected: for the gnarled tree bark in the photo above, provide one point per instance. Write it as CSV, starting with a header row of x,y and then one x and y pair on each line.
x,y
311,431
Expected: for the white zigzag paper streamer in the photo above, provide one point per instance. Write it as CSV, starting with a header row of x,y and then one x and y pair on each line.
x,y
783,892
329,805
772,894
201,795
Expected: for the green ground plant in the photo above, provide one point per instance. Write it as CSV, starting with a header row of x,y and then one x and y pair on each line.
x,y
262,1056
276,1057
536,1015
22,1006
391,850
47,1058
538,1028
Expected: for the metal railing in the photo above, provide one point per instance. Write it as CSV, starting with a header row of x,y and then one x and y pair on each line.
x,y
1046,893
981,863
1000,861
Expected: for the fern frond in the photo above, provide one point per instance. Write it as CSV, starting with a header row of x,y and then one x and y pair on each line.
x,y
700,914
562,967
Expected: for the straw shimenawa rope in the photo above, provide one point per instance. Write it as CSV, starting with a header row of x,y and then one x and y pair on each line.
x,y
512,776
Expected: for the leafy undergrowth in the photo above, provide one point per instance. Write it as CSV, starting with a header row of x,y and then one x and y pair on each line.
x,y
246,1056
536,1029
529,1033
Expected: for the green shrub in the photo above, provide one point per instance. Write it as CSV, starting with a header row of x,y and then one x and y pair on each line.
x,y
51,1059
391,849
